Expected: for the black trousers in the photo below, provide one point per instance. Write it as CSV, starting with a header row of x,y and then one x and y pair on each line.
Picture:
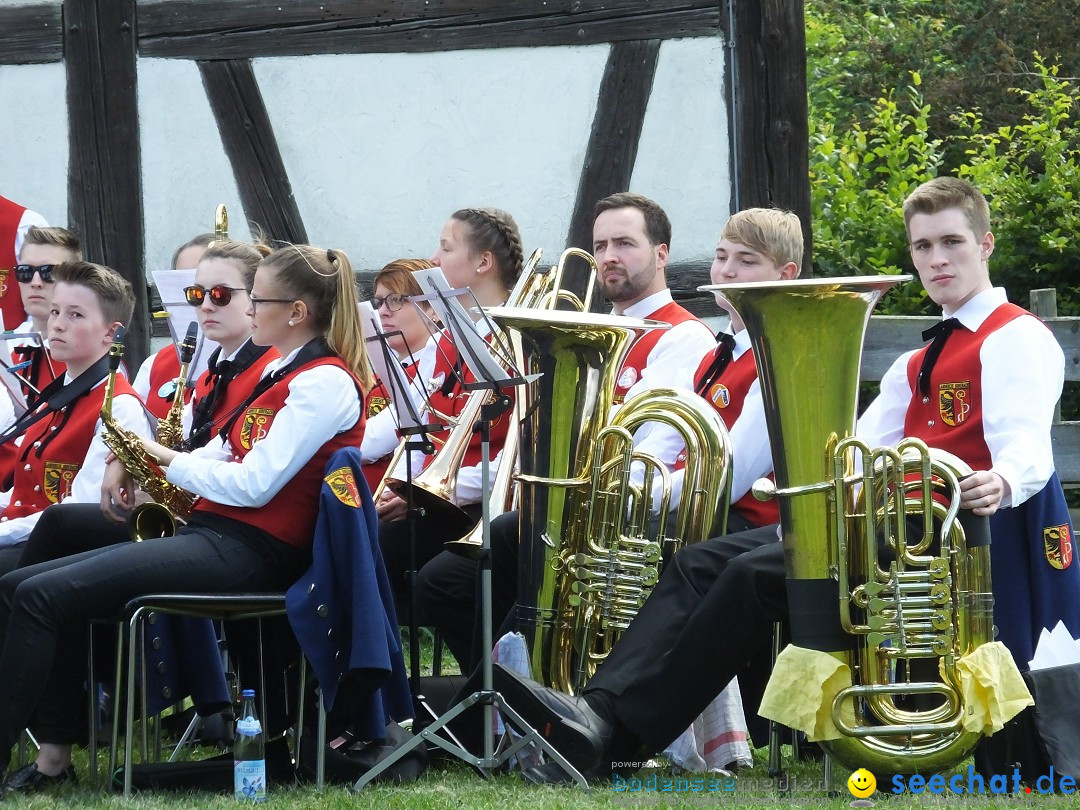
x,y
431,537
711,612
449,590
44,609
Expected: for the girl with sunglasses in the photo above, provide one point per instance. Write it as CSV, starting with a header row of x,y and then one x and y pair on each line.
x,y
409,332
259,485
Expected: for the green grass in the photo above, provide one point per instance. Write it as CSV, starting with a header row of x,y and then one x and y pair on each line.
x,y
453,786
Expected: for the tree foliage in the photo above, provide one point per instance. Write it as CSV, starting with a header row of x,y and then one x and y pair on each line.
x,y
872,143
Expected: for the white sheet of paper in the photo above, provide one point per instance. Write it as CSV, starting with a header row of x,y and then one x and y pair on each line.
x,y
171,284
391,373
471,347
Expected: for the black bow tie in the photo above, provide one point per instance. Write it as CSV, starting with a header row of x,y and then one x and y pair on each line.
x,y
724,353
939,333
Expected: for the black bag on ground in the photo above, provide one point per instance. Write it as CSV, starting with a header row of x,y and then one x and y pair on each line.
x,y
214,774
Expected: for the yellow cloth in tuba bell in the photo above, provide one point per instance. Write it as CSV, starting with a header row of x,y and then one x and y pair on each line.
x,y
801,691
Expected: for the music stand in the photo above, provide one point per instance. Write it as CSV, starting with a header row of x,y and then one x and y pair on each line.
x,y
415,434
490,376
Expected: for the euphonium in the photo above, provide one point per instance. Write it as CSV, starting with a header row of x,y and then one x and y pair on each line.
x,y
170,428
897,623
171,503
586,562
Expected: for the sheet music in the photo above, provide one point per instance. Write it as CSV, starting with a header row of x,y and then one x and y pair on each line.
x,y
170,285
473,349
385,365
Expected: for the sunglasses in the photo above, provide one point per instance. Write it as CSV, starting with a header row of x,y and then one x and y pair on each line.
x,y
25,272
393,302
219,294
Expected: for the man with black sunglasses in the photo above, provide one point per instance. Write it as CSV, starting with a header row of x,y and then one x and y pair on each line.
x,y
15,221
43,251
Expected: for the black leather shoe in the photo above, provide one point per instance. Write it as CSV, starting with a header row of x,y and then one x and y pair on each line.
x,y
29,779
568,723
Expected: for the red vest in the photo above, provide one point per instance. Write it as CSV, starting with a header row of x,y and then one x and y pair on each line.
x,y
377,400
48,460
237,390
950,417
451,399
11,306
727,396
164,369
637,358
291,514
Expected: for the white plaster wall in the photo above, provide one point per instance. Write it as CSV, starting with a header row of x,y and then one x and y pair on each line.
x,y
186,173
682,160
381,149
34,138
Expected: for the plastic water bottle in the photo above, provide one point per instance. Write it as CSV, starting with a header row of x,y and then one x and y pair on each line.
x,y
249,753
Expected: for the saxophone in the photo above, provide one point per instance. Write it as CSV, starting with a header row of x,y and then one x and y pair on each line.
x,y
170,429
171,503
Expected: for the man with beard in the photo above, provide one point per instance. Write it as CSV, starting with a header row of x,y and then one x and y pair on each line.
x,y
631,235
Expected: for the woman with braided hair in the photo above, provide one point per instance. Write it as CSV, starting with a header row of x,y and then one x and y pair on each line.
x,y
479,248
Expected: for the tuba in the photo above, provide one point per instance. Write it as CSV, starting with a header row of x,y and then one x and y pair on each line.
x,y
899,621
171,503
586,561
170,428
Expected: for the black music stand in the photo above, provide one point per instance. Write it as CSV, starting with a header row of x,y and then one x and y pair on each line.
x,y
493,378
415,434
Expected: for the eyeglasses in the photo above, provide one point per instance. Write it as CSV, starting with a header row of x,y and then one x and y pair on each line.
x,y
393,302
25,272
256,301
219,294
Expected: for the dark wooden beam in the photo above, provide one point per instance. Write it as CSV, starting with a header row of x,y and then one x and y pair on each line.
x,y
613,140
31,34
211,29
248,136
770,129
104,173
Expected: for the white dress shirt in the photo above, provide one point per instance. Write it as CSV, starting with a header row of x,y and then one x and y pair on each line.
x,y
321,403
1023,370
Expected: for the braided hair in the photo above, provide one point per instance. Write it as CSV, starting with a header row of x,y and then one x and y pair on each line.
x,y
494,230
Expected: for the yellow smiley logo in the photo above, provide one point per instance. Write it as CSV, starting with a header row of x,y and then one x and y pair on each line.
x,y
862,784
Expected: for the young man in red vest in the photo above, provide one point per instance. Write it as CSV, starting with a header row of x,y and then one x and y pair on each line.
x,y
15,221
660,675
631,236
54,451
43,251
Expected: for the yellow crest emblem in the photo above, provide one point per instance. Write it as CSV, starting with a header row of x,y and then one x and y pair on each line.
x,y
953,404
343,484
57,480
256,424
1059,547
376,404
